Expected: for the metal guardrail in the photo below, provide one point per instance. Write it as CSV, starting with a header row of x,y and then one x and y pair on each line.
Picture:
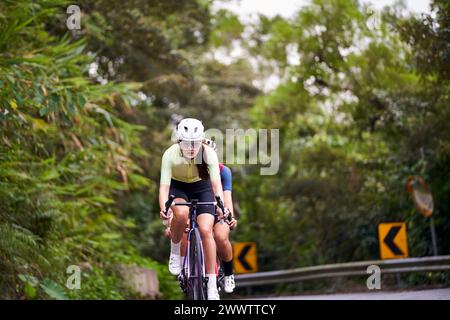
x,y
425,264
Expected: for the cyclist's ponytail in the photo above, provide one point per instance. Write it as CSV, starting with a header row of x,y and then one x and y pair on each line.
x,y
203,167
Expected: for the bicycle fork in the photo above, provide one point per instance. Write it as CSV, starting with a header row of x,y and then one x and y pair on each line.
x,y
185,273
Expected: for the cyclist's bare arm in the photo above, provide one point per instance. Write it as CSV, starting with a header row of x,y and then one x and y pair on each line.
x,y
217,188
228,200
163,195
164,185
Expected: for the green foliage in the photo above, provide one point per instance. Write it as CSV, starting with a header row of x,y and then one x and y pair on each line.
x,y
98,284
51,289
66,158
226,28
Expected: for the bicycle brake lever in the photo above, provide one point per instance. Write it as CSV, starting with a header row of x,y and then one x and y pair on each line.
x,y
222,207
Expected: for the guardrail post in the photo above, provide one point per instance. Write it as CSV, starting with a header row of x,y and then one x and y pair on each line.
x,y
337,284
433,236
400,283
300,286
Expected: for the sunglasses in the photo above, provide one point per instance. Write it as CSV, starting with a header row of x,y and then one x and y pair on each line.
x,y
186,145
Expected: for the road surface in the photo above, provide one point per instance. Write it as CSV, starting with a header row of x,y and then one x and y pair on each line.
x,y
434,294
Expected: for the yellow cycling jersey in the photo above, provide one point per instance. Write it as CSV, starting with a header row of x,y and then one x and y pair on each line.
x,y
175,166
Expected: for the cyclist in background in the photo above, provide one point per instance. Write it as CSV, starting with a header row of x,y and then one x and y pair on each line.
x,y
221,229
190,170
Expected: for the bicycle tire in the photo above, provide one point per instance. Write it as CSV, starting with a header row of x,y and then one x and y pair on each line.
x,y
196,281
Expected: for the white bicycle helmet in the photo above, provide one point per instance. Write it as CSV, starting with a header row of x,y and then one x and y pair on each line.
x,y
190,129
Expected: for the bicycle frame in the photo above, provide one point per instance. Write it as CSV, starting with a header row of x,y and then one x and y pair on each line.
x,y
186,272
192,226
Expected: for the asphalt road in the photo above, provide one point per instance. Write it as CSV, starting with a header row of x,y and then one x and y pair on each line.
x,y
434,294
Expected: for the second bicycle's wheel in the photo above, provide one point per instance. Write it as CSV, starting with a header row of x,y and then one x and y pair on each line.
x,y
196,280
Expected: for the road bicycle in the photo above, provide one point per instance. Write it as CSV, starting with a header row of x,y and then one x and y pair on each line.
x,y
192,278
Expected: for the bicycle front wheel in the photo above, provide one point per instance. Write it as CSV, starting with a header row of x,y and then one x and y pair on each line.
x,y
196,281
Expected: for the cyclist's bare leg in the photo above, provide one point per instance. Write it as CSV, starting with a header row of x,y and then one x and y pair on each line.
x,y
177,226
221,236
183,246
225,253
205,226
179,221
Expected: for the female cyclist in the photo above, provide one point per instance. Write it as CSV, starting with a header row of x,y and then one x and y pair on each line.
x,y
190,170
221,230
